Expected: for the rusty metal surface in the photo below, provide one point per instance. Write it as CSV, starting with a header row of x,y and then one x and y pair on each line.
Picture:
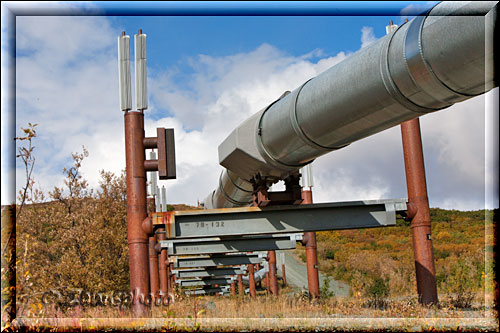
x,y
154,281
163,263
151,165
273,273
311,253
136,210
421,220
251,280
283,272
150,142
241,289
233,288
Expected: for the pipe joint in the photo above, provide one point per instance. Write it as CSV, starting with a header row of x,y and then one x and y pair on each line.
x,y
147,226
411,211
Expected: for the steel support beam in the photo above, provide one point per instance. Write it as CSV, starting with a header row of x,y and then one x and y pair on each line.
x,y
197,246
279,219
309,242
418,212
209,282
218,260
209,291
210,272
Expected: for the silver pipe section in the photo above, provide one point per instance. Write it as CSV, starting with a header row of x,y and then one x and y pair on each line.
x,y
258,276
425,65
231,192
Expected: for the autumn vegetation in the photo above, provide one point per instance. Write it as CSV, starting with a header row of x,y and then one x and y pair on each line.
x,y
72,240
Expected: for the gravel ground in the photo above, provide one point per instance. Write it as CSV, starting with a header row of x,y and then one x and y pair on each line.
x,y
296,275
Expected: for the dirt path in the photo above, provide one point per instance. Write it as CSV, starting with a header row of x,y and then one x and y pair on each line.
x,y
296,274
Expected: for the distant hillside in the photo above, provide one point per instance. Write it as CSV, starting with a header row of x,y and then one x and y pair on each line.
x,y
382,258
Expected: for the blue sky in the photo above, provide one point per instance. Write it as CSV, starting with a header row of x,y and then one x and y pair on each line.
x,y
206,74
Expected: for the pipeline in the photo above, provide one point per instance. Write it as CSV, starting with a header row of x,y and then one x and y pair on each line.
x,y
425,65
258,276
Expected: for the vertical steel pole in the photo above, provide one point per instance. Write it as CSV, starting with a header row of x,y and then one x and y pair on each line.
x,y
418,212
241,290
172,277
311,253
153,256
163,265
273,273
251,280
282,256
136,211
154,280
233,288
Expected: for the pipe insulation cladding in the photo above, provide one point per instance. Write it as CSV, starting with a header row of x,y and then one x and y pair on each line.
x,y
425,65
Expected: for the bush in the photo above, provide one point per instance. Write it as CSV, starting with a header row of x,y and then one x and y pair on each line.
x,y
330,254
377,293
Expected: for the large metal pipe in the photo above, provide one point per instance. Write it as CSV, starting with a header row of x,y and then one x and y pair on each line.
x,y
425,65
136,211
418,211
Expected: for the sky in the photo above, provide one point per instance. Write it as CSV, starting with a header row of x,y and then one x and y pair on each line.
x,y
207,74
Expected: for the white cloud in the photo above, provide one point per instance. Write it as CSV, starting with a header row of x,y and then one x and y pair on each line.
x,y
69,86
367,36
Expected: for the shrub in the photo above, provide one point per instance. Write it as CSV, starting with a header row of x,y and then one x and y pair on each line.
x,y
377,293
330,254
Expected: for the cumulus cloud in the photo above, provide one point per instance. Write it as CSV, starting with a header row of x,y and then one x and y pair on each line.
x,y
68,85
367,36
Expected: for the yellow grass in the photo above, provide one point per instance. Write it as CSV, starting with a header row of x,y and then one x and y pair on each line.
x,y
293,312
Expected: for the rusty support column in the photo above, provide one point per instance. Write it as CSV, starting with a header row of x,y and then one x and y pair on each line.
x,y
163,265
153,268
284,273
309,242
171,278
233,288
241,291
136,211
153,255
418,212
273,276
251,280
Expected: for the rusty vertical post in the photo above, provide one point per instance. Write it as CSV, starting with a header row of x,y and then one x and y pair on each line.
x,y
418,212
153,268
153,255
273,276
283,269
233,288
241,290
171,277
251,280
136,211
163,266
268,283
311,253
